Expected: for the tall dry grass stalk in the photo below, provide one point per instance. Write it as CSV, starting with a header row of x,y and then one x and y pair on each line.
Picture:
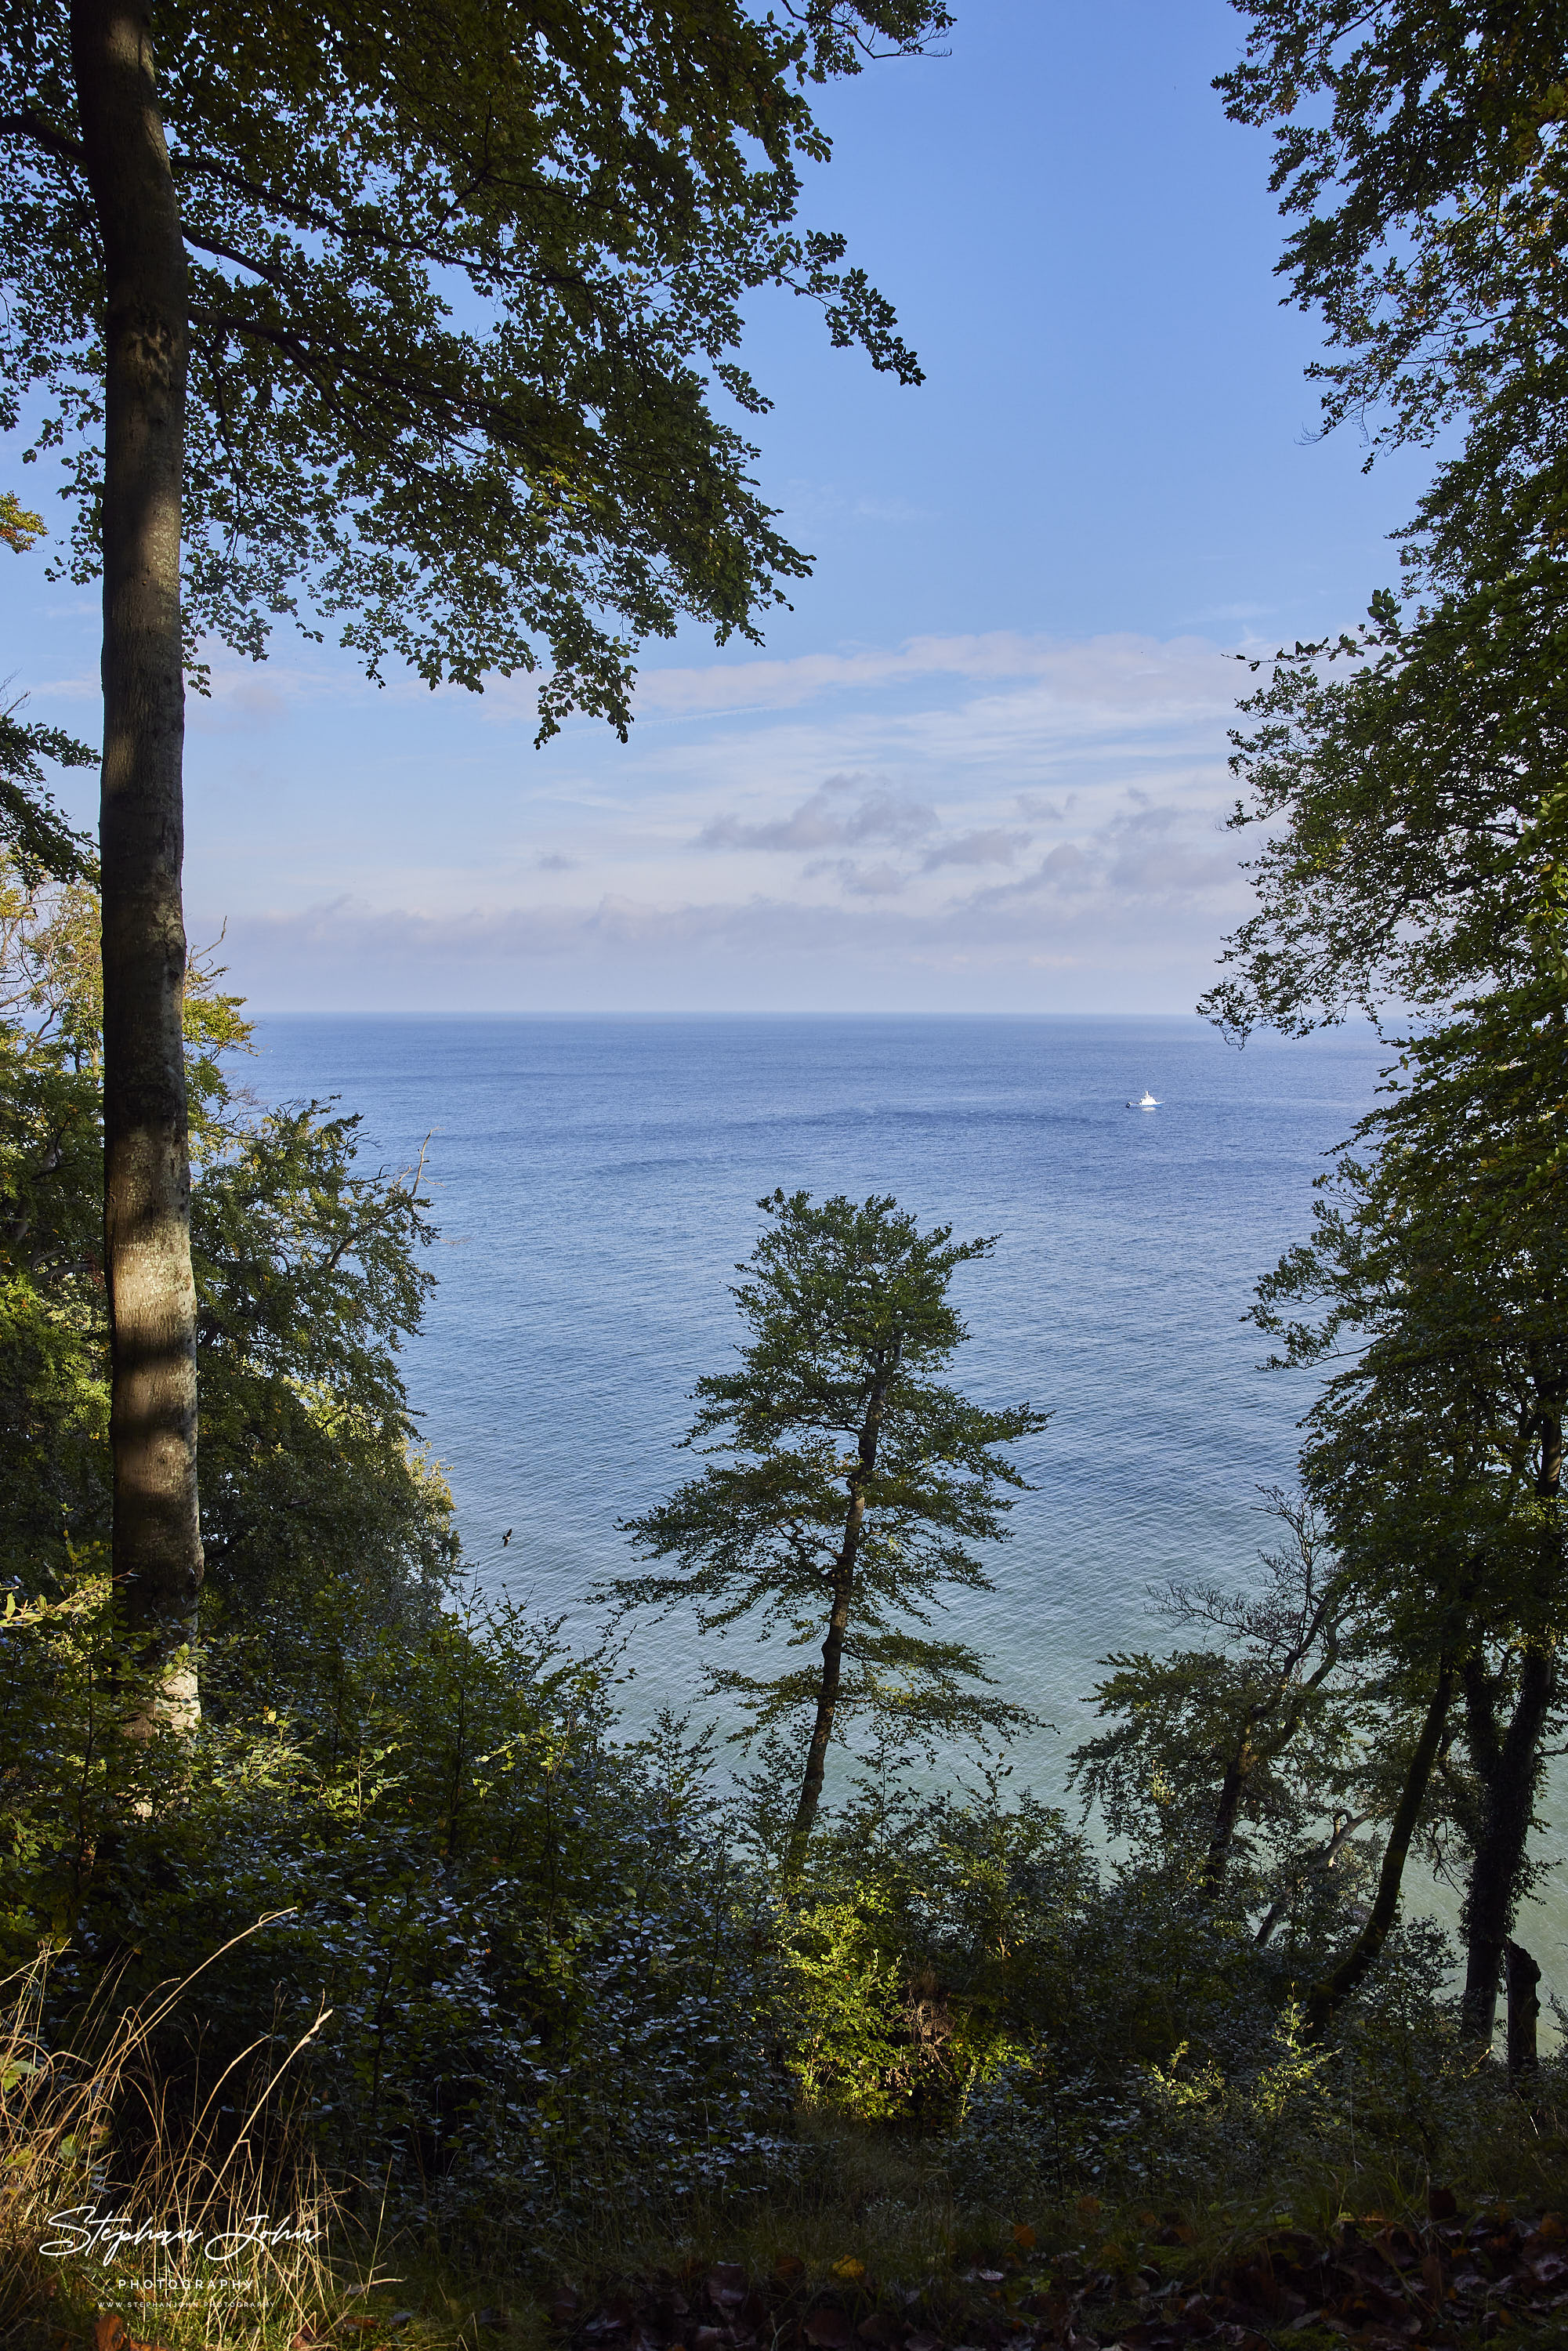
x,y
189,2209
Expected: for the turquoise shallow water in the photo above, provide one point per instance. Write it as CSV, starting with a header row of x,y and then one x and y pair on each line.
x,y
596,1180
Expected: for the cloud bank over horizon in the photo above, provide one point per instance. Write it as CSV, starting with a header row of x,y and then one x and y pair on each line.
x,y
992,822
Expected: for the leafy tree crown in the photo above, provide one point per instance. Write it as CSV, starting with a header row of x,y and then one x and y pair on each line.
x,y
461,282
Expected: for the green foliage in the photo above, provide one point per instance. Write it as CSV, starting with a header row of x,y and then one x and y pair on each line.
x,y
1411,775
520,1965
18,527
1245,1750
1261,2123
854,2048
1414,857
849,1488
33,833
1416,811
1419,146
462,289
931,1939
308,1280
53,1435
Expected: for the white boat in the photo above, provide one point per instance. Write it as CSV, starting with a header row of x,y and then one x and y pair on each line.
x,y
1145,1100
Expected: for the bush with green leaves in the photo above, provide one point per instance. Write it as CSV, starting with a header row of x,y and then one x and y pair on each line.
x,y
1249,2112
517,1964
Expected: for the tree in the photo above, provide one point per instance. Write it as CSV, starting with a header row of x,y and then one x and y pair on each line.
x,y
409,318
849,1315
324,1524
1416,859
1419,146
1437,1267
1420,793
1409,776
1242,1746
19,527
32,829
42,846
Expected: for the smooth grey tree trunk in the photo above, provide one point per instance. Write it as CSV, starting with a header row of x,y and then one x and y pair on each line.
x,y
157,1553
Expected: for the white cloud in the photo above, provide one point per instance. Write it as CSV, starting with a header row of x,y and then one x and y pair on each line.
x,y
1119,674
1124,678
986,811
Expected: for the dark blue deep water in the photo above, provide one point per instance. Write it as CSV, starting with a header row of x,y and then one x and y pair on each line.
x,y
596,1180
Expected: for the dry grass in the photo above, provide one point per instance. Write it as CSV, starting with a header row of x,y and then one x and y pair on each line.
x,y
116,2202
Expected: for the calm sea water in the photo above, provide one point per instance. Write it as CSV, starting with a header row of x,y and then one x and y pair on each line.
x,y
596,1180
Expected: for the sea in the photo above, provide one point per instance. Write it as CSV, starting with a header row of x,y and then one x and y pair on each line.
x,y
596,1181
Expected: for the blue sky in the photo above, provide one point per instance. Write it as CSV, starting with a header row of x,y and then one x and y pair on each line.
x,y
981,766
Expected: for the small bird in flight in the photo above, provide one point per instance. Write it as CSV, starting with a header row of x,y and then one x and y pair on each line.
x,y
505,1539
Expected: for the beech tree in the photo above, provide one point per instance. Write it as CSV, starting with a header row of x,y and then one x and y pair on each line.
x,y
409,321
1436,1285
309,1277
1419,158
851,1487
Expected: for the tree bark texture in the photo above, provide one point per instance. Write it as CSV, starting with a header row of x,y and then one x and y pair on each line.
x,y
842,1586
1329,1996
157,1555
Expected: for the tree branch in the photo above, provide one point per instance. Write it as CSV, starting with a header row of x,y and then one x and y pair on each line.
x,y
25,124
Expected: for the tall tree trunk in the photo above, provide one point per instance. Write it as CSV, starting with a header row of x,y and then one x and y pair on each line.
x,y
146,1185
827,1693
1509,1763
1524,2008
1510,1769
842,1586
1329,1996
